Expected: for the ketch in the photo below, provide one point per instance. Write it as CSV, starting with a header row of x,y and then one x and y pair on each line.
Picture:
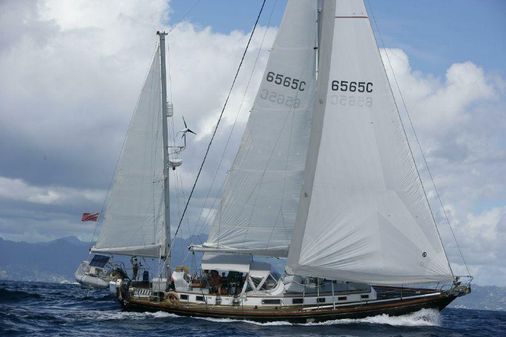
x,y
324,178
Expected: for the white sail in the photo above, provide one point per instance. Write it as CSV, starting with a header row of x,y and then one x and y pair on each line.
x,y
261,192
134,220
363,214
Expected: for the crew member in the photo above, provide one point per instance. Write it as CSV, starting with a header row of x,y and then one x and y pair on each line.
x,y
135,266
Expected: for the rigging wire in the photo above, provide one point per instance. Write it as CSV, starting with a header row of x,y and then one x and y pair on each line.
x,y
180,193
177,178
218,122
420,149
409,146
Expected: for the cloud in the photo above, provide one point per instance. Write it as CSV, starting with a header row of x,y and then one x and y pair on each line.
x,y
67,91
18,190
71,74
459,120
438,104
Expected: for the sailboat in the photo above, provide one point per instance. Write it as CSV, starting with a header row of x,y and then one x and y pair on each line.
x,y
324,178
137,207
99,272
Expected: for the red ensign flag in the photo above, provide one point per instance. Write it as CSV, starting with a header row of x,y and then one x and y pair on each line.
x,y
89,217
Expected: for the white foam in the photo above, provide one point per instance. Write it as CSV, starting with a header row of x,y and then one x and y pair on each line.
x,y
107,315
232,320
424,317
161,314
69,282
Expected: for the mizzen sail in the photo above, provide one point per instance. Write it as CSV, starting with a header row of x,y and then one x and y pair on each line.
x,y
363,214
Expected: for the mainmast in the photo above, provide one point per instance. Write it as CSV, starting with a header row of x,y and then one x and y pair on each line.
x,y
165,251
319,9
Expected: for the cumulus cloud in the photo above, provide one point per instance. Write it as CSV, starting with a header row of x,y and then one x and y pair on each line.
x,y
459,120
71,73
18,190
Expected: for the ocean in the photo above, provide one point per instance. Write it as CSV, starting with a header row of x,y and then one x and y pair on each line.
x,y
51,309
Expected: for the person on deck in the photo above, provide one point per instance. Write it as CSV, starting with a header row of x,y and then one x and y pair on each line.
x,y
214,281
135,266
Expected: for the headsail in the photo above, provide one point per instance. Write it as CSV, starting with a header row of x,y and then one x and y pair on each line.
x,y
134,220
363,214
261,192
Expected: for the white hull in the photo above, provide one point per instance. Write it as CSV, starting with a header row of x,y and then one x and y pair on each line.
x,y
91,281
91,277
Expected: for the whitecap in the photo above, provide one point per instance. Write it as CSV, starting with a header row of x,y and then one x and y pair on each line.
x,y
107,315
69,282
161,314
424,317
232,320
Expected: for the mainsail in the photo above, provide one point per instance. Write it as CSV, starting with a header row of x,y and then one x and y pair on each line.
x,y
261,193
134,221
363,214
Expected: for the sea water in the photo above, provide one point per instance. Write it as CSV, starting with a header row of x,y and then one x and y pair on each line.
x,y
51,309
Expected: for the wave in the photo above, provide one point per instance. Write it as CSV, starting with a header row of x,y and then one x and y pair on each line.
x,y
232,320
111,315
8,296
424,317
96,297
69,282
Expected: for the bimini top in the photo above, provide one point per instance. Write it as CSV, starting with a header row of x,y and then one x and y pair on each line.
x,y
239,263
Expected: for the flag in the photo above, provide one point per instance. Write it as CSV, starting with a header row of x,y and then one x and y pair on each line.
x,y
90,217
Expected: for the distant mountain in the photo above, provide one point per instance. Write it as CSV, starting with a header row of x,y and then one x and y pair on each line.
x,y
483,298
52,261
56,261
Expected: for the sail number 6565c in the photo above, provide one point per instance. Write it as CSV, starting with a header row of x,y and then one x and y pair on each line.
x,y
286,81
352,86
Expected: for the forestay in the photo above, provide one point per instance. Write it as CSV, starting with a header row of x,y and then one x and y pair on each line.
x,y
261,193
363,214
134,216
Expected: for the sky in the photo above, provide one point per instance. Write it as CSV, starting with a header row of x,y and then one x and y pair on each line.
x,y
71,72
